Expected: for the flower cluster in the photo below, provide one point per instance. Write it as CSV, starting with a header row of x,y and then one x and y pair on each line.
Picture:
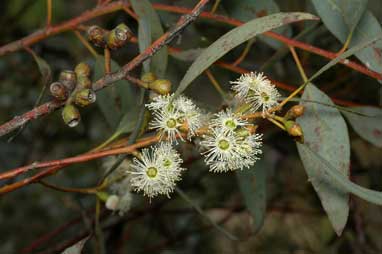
x,y
173,115
257,90
157,170
230,145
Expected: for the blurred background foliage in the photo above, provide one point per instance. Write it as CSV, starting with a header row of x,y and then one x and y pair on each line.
x,y
294,222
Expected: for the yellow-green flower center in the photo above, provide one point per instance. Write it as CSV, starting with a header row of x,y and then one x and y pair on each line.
x,y
171,123
223,144
230,123
152,172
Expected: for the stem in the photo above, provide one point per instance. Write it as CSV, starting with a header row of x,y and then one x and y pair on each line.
x,y
215,7
276,123
49,12
298,63
245,52
107,61
85,43
216,84
65,189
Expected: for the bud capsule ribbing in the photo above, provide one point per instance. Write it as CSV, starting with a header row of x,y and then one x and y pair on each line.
x,y
59,91
85,97
71,115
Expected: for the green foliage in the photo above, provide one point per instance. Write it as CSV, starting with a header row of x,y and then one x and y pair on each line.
x,y
350,19
325,131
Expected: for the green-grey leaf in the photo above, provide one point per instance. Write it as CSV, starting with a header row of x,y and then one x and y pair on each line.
x,y
342,16
149,22
338,178
234,38
44,69
326,132
252,183
115,100
246,10
368,123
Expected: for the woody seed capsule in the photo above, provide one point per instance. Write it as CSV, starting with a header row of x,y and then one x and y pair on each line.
x,y
58,90
85,97
119,36
83,82
82,69
68,78
71,115
96,35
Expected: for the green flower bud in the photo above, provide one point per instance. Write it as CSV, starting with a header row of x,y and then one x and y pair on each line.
x,y
83,82
71,115
295,112
119,36
161,86
148,77
294,129
85,97
68,78
82,69
59,91
96,35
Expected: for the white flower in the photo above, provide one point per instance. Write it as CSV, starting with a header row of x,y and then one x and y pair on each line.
x,y
221,146
167,123
231,150
227,120
120,203
157,171
256,89
172,114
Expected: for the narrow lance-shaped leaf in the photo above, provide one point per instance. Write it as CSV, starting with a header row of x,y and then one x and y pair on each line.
x,y
234,38
149,22
343,16
325,131
252,183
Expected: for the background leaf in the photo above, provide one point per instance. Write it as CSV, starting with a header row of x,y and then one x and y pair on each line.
x,y
76,248
252,183
116,100
149,22
234,38
44,69
325,131
246,10
340,15
368,125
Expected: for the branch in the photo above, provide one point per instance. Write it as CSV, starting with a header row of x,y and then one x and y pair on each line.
x,y
108,79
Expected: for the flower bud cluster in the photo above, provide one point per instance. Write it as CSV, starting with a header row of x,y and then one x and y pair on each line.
x,y
114,39
76,88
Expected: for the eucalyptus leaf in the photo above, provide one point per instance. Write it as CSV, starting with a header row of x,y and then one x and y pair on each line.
x,y
342,17
76,248
44,69
246,10
325,131
252,183
115,100
149,22
234,38
368,123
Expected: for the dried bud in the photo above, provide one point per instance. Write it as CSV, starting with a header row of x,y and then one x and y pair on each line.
x,y
83,82
96,35
161,86
294,129
85,97
148,77
295,111
59,91
119,36
71,115
82,69
68,78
